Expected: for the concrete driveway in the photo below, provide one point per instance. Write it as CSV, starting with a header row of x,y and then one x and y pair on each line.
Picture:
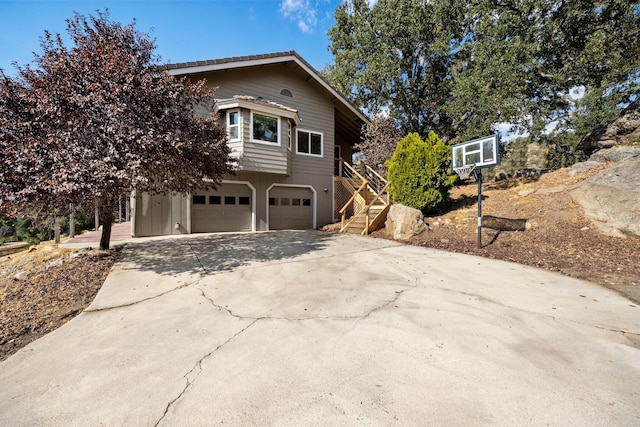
x,y
306,328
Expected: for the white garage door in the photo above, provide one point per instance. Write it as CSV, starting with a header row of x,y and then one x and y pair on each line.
x,y
227,209
290,208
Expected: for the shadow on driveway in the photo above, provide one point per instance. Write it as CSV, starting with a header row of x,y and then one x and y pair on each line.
x,y
203,255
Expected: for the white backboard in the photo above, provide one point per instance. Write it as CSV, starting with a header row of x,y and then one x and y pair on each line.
x,y
481,152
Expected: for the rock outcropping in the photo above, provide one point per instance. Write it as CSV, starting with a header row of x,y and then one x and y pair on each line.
x,y
624,130
611,198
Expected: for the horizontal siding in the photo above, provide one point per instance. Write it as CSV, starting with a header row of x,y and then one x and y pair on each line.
x,y
314,107
257,157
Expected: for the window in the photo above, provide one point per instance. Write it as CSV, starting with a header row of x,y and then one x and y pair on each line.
x,y
265,128
233,125
285,201
244,200
199,200
289,135
214,200
229,200
309,143
273,201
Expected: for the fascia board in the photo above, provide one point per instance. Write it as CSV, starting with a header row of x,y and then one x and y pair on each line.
x,y
268,61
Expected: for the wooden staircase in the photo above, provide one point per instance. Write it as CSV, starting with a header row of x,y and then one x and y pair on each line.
x,y
369,202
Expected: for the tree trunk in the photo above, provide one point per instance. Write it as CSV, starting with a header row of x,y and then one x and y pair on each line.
x,y
72,222
56,230
107,222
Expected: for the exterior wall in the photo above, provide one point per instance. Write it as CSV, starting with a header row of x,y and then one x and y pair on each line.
x,y
157,215
346,149
317,114
272,169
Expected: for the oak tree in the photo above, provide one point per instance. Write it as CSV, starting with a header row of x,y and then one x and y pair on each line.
x,y
99,119
538,63
461,68
394,58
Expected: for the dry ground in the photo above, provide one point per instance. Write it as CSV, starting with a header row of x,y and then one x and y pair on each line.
x,y
558,236
42,289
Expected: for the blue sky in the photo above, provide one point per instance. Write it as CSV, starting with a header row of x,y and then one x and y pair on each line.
x,y
185,30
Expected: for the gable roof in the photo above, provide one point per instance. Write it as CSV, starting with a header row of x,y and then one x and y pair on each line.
x,y
265,59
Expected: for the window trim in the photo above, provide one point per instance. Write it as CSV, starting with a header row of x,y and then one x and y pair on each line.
x,y
310,132
259,141
239,125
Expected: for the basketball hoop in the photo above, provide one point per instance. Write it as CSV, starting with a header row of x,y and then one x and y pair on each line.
x,y
464,172
471,157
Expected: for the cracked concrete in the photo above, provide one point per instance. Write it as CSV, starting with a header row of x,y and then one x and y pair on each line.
x,y
306,328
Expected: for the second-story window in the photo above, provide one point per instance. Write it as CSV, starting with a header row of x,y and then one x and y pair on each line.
x,y
265,128
309,143
233,125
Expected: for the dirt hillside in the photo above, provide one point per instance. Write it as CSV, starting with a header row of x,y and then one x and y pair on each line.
x,y
44,287
558,237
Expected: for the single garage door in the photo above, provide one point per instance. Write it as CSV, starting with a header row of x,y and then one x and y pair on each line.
x,y
290,208
227,209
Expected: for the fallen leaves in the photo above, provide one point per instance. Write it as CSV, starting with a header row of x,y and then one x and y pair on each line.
x,y
43,289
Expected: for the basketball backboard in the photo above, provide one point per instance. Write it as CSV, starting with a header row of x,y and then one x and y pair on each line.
x,y
481,152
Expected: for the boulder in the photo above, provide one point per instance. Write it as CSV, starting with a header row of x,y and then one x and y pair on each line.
x,y
624,130
404,222
611,198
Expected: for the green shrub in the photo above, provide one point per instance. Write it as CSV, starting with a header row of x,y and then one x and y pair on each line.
x,y
31,232
419,172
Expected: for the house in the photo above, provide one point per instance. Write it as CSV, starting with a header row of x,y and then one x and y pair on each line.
x,y
290,130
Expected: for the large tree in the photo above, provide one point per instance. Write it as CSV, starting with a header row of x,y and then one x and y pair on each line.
x,y
460,68
395,57
532,63
100,119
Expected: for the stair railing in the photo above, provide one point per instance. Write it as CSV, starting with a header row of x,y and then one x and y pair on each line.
x,y
373,183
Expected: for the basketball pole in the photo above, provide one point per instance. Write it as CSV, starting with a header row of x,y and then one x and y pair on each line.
x,y
479,179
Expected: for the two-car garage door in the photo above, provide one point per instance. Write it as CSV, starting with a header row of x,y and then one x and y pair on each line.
x,y
228,209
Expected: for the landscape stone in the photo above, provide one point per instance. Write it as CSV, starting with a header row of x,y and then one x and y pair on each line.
x,y
552,190
404,222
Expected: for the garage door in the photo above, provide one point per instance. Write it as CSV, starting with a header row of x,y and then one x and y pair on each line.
x,y
290,208
227,209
